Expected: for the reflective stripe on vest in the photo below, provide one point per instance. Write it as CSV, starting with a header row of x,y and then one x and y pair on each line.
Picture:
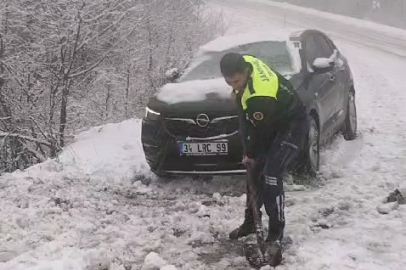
x,y
264,82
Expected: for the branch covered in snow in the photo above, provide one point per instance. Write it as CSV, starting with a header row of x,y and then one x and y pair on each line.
x,y
5,135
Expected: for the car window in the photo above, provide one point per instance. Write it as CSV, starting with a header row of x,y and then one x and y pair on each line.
x,y
323,48
310,49
274,53
331,43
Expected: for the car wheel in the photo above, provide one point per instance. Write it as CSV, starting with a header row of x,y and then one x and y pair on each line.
x,y
313,147
350,123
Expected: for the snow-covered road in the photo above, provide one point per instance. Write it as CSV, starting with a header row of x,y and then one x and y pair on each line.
x,y
90,209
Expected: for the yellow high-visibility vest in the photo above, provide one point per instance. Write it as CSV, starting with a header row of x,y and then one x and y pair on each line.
x,y
263,82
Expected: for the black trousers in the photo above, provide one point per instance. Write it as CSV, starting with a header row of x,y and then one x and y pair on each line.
x,y
268,174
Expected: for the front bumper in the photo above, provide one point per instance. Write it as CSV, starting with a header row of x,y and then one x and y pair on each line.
x,y
162,154
230,172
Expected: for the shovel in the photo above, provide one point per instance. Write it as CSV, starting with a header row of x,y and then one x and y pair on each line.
x,y
257,254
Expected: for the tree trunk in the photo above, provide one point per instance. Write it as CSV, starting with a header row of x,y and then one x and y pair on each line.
x,y
63,116
150,58
127,92
106,106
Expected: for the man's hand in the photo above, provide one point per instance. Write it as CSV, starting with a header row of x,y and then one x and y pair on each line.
x,y
249,163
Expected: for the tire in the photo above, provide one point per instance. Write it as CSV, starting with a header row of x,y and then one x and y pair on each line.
x,y
313,147
309,158
350,123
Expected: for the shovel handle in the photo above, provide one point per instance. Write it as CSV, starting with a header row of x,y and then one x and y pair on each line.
x,y
253,204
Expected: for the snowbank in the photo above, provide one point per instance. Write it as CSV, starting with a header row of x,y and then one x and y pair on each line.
x,y
153,262
88,210
111,153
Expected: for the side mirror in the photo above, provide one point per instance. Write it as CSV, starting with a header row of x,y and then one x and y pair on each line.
x,y
322,65
172,74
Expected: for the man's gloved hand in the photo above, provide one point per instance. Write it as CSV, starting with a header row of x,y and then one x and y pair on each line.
x,y
249,163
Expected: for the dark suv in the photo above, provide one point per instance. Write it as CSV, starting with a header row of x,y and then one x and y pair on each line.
x,y
191,124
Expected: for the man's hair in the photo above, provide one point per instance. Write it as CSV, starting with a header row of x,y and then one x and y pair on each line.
x,y
231,64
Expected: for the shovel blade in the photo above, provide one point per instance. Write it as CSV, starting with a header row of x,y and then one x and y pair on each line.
x,y
272,255
254,256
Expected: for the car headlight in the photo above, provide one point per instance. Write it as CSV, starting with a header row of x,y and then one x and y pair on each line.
x,y
151,114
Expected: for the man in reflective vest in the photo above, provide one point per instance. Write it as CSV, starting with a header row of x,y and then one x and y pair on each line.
x,y
273,125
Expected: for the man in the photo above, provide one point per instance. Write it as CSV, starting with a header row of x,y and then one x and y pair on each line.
x,y
273,125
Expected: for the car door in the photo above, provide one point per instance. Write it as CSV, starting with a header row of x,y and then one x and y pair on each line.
x,y
327,49
343,80
322,84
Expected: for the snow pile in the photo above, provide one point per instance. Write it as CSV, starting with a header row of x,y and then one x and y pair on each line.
x,y
154,262
393,201
172,73
387,207
194,91
88,210
168,267
110,153
267,267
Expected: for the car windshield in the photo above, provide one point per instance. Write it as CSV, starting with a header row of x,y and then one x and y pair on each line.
x,y
274,53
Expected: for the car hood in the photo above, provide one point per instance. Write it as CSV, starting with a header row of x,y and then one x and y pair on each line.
x,y
190,98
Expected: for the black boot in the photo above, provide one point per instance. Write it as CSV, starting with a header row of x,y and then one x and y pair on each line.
x,y
274,246
274,250
247,227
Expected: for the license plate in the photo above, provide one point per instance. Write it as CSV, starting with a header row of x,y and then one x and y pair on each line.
x,y
203,148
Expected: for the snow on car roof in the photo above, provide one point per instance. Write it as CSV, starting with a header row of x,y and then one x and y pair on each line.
x,y
194,91
230,41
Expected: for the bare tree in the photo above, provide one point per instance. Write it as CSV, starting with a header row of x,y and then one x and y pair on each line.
x,y
69,64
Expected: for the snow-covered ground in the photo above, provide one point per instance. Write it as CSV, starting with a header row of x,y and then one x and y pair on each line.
x,y
91,209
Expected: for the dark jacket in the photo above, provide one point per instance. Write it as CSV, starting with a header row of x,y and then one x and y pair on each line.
x,y
277,114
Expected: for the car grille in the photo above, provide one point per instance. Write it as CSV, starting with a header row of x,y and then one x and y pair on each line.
x,y
189,127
